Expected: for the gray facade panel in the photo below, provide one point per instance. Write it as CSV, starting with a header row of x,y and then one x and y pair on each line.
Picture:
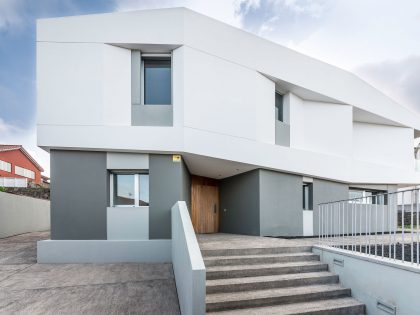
x,y
168,183
79,195
239,204
152,115
327,191
282,136
280,204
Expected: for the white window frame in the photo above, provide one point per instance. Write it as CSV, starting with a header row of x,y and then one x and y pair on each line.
x,y
5,166
136,189
154,56
24,172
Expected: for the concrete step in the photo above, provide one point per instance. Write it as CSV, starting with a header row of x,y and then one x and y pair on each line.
x,y
337,306
258,259
237,271
259,298
270,282
255,251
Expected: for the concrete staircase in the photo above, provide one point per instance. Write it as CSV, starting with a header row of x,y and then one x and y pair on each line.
x,y
274,280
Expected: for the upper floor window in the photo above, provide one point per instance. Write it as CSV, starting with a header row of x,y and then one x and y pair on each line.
x,y
24,172
157,78
279,107
5,166
130,189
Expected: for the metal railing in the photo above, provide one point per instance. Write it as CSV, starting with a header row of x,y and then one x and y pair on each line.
x,y
383,226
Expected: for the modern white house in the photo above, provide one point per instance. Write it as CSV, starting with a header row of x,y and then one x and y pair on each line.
x,y
142,109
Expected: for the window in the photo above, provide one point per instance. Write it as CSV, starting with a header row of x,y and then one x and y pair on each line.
x,y
130,189
368,196
24,172
279,107
5,166
307,196
157,81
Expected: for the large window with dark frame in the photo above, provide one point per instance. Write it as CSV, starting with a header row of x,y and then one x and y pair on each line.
x,y
157,81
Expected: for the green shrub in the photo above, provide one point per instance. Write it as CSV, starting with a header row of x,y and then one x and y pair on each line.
x,y
2,189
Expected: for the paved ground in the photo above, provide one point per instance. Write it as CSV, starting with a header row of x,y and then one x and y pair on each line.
x,y
30,288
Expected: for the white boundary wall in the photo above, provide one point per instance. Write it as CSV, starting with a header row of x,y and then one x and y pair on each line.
x,y
188,264
21,214
380,284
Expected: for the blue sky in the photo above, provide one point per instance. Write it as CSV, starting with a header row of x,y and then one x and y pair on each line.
x,y
376,39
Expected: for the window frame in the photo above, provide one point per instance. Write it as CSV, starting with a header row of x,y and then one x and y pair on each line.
x,y
137,175
151,56
7,165
310,196
25,172
278,109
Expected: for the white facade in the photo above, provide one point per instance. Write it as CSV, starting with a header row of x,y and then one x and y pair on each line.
x,y
223,89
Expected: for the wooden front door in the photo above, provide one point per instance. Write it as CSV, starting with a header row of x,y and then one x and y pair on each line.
x,y
205,205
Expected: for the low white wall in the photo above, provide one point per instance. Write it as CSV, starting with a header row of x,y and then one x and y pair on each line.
x,y
127,223
308,223
103,251
21,214
188,264
372,281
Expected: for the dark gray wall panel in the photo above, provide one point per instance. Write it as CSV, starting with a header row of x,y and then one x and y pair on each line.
x,y
326,191
239,196
281,204
167,184
79,195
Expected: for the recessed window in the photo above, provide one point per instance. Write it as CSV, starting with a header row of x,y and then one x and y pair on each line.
x,y
359,195
307,196
279,107
157,81
24,172
5,166
130,189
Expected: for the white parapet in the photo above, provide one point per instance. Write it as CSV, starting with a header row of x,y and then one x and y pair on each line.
x,y
188,264
104,251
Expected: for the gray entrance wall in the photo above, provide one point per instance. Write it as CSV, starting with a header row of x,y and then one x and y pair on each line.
x,y
327,191
79,195
239,204
269,203
169,182
280,204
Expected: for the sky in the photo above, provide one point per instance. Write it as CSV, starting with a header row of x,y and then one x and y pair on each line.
x,y
379,40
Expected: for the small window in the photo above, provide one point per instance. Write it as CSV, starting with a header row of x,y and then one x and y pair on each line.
x,y
157,81
5,166
130,190
307,196
279,107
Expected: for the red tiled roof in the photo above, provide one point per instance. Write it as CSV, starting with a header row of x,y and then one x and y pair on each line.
x,y
11,147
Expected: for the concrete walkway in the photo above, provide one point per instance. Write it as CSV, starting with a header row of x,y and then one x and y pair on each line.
x,y
30,288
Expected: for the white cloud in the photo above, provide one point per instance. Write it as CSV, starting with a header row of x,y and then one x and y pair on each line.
x,y
10,16
10,134
400,79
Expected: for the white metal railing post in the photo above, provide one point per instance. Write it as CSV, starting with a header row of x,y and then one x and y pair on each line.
x,y
411,229
403,227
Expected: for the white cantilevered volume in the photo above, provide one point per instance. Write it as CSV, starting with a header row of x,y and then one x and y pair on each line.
x,y
382,226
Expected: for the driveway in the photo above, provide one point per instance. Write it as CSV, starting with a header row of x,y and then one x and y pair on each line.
x,y
30,288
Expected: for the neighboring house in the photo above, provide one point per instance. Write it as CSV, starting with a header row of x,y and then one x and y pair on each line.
x,y
142,109
18,167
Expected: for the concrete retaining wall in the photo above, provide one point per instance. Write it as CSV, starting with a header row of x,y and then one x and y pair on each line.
x,y
384,286
20,214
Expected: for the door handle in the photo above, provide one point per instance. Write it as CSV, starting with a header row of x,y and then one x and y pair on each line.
x,y
215,209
